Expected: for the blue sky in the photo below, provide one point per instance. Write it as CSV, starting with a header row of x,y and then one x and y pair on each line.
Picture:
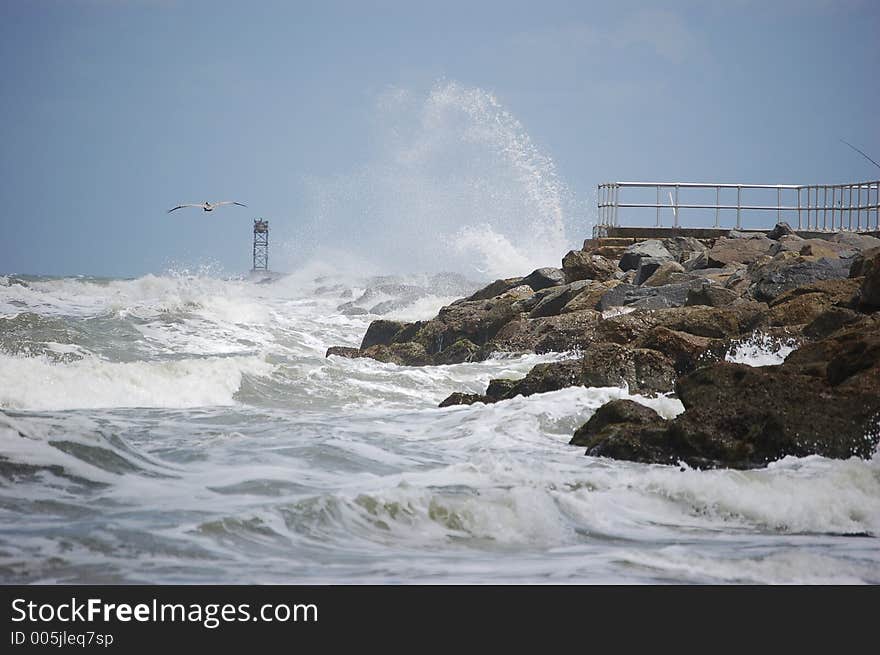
x,y
114,111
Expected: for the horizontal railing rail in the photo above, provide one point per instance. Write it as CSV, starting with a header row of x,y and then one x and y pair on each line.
x,y
818,207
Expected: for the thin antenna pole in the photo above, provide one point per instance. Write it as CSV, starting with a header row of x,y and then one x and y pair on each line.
x,y
861,153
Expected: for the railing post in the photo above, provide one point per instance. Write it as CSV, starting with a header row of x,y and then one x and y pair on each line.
x,y
833,205
799,206
658,206
850,207
825,207
675,210
738,206
717,207
778,203
859,209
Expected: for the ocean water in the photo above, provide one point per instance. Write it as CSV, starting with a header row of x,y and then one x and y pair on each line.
x,y
186,428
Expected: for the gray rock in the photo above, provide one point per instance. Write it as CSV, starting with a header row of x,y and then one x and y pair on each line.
x,y
653,248
494,289
781,274
343,351
713,295
625,295
543,278
647,267
779,230
552,303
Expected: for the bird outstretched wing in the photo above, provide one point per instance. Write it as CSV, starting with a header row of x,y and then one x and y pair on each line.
x,y
229,202
182,206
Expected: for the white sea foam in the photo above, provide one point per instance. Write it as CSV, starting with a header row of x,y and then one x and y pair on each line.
x,y
35,383
761,350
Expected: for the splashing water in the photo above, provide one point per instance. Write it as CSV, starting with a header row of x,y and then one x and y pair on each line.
x,y
456,184
761,350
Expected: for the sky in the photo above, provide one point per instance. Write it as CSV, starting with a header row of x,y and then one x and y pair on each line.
x,y
381,127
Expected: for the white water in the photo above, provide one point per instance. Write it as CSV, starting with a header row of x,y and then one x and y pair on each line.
x,y
196,433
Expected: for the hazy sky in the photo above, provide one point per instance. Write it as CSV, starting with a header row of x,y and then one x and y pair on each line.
x,y
364,122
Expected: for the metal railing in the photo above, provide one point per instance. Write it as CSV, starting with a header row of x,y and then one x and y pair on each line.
x,y
819,207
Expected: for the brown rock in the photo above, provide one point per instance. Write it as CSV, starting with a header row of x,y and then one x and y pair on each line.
x,y
742,251
581,265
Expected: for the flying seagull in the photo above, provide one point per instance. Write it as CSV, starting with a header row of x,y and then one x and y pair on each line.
x,y
208,206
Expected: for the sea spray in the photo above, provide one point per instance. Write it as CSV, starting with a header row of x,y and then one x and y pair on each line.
x,y
455,183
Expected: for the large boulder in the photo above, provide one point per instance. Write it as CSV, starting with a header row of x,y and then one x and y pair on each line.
x,y
787,271
622,429
642,370
870,289
669,272
744,417
652,248
589,297
495,288
543,278
687,351
863,263
806,303
552,303
582,265
684,248
381,332
644,297
738,250
402,354
780,230
712,295
560,333
858,242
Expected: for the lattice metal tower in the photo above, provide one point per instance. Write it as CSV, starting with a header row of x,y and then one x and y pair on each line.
x,y
261,245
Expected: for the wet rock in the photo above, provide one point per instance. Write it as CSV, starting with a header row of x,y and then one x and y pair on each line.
x,y
738,250
343,351
830,321
849,359
550,334
779,230
662,297
805,303
459,398
582,265
641,369
463,350
402,354
494,289
622,429
499,389
542,378
687,351
652,248
543,278
742,417
552,303
381,332
589,297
